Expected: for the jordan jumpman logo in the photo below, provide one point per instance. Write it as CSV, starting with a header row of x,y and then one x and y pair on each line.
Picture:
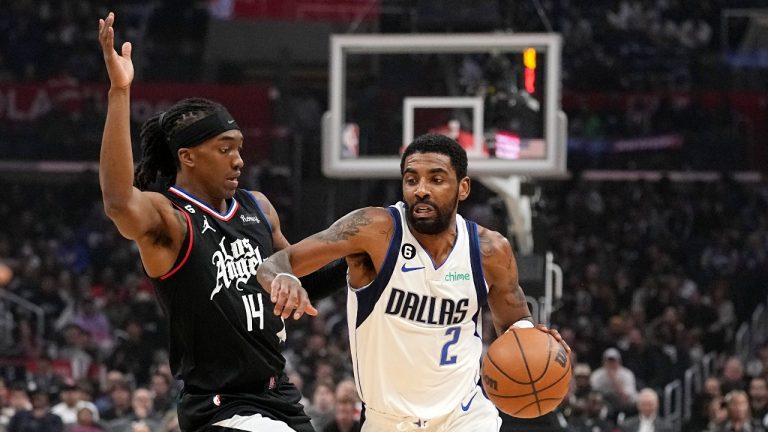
x,y
206,225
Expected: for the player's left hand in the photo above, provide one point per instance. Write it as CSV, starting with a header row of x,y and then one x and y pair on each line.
x,y
555,334
119,67
290,297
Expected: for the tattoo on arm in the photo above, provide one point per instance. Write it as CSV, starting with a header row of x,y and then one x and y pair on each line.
x,y
486,246
488,249
346,228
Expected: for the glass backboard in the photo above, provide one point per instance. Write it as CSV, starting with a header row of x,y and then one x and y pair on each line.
x,y
498,95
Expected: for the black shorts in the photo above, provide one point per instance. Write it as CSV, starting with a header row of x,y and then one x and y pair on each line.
x,y
198,412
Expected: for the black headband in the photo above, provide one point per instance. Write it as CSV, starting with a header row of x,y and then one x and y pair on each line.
x,y
202,129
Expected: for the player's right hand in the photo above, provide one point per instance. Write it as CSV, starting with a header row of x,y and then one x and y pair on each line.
x,y
290,297
119,67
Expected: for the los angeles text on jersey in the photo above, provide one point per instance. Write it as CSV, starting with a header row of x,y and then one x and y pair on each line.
x,y
238,264
426,309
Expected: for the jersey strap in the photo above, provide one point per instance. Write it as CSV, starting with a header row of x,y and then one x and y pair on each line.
x,y
368,296
189,241
477,264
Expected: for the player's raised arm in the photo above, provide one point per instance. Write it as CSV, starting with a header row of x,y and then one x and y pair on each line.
x,y
356,233
146,217
505,297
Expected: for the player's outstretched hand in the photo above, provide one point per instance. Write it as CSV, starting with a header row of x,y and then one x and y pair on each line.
x,y
290,297
556,334
119,67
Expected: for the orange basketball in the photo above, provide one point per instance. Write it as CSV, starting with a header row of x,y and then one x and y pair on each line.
x,y
526,372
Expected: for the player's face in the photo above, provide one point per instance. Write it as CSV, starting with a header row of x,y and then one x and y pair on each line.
x,y
432,192
217,162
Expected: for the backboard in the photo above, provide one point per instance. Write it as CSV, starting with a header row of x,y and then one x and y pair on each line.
x,y
497,94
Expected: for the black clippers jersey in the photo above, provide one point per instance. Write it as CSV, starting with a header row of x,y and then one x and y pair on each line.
x,y
223,334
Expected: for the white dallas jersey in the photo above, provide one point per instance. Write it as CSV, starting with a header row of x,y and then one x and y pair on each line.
x,y
415,331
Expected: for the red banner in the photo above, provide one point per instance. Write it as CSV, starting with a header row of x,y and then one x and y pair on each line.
x,y
309,10
660,142
751,106
249,105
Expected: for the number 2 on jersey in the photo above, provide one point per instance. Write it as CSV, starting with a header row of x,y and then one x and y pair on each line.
x,y
455,332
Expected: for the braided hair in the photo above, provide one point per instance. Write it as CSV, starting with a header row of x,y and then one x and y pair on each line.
x,y
158,165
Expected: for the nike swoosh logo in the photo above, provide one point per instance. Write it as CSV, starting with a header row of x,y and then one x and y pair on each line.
x,y
230,121
465,408
410,269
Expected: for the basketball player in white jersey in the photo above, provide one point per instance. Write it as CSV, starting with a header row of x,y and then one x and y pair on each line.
x,y
419,274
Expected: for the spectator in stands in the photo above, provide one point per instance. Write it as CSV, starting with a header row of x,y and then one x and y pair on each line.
x,y
164,400
717,414
758,399
18,400
595,416
701,405
761,360
739,417
615,382
38,419
72,399
576,401
720,299
346,388
87,420
674,358
44,377
321,409
6,412
733,377
90,318
104,401
142,413
49,298
648,419
133,354
643,359
75,349
700,314
28,344
121,395
324,370
344,416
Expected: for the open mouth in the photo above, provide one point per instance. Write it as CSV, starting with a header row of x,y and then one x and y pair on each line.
x,y
423,211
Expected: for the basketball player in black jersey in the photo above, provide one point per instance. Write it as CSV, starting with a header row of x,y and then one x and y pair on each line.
x,y
201,239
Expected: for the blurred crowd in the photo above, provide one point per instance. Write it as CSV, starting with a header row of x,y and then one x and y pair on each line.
x,y
612,47
657,276
698,137
50,39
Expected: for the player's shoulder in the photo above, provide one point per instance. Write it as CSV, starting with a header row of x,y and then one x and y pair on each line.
x,y
366,219
493,243
256,195
261,200
371,214
159,200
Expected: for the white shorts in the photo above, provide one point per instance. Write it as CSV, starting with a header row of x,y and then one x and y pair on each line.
x,y
254,423
475,413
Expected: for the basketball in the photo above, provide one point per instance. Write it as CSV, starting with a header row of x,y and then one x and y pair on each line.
x,y
526,372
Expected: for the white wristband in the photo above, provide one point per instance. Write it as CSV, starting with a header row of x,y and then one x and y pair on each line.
x,y
290,276
523,323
